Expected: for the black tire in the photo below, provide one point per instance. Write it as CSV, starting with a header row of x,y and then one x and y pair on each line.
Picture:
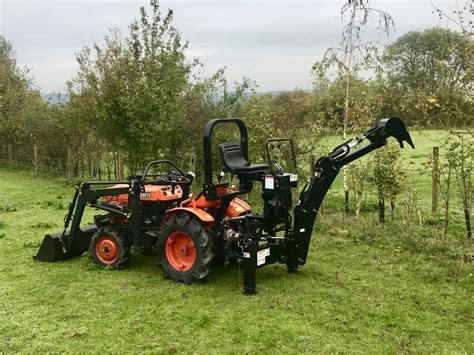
x,y
118,257
192,228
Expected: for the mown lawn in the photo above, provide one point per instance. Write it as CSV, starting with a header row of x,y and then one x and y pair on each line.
x,y
366,288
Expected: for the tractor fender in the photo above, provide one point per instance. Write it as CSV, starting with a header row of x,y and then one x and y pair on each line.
x,y
237,207
201,214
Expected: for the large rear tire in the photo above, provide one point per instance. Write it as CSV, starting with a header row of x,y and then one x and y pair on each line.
x,y
184,249
109,248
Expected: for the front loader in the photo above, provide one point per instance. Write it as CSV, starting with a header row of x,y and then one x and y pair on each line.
x,y
190,233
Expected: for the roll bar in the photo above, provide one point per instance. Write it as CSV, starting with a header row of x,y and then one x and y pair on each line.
x,y
207,142
156,162
268,154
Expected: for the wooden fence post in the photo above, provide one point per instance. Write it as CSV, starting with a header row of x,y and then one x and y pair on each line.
x,y
35,157
119,166
312,161
69,163
192,167
10,155
434,180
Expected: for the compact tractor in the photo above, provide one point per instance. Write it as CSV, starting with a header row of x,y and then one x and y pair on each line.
x,y
155,213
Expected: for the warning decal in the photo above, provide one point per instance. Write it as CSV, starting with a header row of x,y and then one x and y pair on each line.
x,y
262,255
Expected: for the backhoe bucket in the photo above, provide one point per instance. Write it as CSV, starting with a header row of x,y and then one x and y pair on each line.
x,y
390,127
57,247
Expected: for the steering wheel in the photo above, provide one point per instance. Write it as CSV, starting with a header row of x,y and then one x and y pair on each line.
x,y
170,178
174,177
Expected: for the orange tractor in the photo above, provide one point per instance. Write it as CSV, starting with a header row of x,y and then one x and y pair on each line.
x,y
155,213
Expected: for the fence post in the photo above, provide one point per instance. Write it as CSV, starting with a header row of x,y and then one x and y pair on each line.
x,y
434,180
192,167
69,163
35,157
10,155
312,161
119,166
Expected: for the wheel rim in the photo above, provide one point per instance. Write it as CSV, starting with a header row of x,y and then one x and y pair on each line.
x,y
180,251
106,250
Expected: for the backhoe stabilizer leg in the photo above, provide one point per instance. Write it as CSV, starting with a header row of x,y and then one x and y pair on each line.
x,y
249,267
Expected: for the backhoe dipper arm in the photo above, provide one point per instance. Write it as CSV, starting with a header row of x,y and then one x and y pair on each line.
x,y
326,170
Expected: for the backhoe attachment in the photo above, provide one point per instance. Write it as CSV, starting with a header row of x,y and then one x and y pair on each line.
x,y
326,170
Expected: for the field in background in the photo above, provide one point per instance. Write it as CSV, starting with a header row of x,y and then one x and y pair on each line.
x,y
365,286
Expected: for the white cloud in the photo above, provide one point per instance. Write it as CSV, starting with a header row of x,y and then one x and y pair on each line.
x,y
272,42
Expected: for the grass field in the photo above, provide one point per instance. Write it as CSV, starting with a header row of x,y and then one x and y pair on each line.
x,y
366,288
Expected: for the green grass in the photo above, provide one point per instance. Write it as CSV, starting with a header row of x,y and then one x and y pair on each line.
x,y
365,288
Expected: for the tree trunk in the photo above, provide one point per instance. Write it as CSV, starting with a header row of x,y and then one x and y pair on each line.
x,y
467,219
349,54
108,171
420,218
359,198
446,218
446,203
393,206
381,206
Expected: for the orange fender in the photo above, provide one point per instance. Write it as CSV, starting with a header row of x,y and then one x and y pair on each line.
x,y
237,207
202,215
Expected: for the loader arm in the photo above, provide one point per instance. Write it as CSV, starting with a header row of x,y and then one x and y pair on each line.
x,y
74,240
326,170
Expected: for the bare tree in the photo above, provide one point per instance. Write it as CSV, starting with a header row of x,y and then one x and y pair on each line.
x,y
461,16
353,54
464,177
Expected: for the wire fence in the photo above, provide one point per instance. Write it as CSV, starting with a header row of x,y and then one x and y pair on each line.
x,y
420,191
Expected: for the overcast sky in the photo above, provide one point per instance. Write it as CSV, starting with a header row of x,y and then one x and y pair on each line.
x,y
274,43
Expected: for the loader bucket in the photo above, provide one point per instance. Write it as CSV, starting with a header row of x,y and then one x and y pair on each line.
x,y
393,127
57,247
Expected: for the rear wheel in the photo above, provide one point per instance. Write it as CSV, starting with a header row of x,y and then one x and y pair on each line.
x,y
109,248
184,249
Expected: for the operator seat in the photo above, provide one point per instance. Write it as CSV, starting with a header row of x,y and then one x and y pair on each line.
x,y
235,163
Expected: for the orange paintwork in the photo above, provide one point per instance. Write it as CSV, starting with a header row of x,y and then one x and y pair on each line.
x,y
237,207
201,202
180,251
201,214
152,193
106,250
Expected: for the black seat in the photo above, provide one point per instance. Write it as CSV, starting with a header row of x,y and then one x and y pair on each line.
x,y
234,161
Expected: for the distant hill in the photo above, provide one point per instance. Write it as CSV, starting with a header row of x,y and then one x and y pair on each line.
x,y
55,98
273,93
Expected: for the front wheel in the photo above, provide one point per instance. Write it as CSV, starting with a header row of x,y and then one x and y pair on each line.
x,y
109,248
184,249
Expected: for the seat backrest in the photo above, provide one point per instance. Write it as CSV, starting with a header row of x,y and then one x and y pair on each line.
x,y
232,156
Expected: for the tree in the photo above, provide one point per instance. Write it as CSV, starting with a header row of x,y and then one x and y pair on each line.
x,y
388,176
258,113
431,74
20,103
353,54
430,61
139,85
460,17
